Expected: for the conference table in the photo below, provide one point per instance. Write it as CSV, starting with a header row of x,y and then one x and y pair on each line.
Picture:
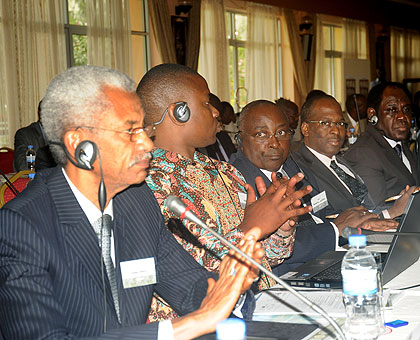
x,y
402,294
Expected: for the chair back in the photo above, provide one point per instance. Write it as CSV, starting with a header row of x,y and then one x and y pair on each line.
x,y
6,159
19,181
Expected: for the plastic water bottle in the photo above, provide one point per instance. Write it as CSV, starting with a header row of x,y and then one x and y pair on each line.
x,y
231,329
360,291
30,157
352,137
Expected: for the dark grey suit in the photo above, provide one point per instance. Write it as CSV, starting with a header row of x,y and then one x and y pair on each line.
x,y
378,164
311,240
321,178
29,135
50,265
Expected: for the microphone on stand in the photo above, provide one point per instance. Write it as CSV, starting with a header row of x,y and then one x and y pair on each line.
x,y
179,208
347,231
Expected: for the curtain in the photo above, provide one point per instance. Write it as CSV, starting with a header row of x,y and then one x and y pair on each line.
x,y
355,39
193,39
262,52
304,70
161,21
32,52
405,54
322,76
109,34
213,57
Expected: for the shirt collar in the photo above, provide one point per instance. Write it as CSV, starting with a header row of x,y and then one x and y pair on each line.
x,y
324,159
90,209
392,142
268,173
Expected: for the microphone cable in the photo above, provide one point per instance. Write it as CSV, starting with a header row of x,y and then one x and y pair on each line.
x,y
178,207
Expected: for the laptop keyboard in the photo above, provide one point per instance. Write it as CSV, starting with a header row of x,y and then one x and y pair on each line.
x,y
332,273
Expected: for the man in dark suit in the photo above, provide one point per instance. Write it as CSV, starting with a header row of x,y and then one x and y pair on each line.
x,y
65,271
381,155
264,146
324,130
32,135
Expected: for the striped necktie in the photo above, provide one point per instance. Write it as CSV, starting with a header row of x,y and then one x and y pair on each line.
x,y
103,231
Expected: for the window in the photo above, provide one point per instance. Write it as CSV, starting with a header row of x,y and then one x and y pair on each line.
x,y
333,46
236,27
76,35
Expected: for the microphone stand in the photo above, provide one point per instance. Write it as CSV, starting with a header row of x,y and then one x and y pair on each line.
x,y
185,213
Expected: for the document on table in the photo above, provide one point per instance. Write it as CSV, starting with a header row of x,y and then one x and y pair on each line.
x,y
277,301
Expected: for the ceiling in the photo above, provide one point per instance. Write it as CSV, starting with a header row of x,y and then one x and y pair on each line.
x,y
401,13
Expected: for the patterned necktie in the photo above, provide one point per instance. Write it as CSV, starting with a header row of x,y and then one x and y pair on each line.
x,y
104,236
357,187
398,150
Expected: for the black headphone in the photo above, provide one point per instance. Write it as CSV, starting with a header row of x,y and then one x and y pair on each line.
x,y
182,113
84,156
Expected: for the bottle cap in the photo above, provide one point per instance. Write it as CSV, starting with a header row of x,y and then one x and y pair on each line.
x,y
352,130
31,176
30,146
231,329
357,240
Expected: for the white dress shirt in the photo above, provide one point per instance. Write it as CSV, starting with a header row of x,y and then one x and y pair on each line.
x,y
165,330
405,160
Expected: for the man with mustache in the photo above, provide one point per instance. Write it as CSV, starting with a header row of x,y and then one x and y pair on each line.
x,y
381,155
78,264
324,130
264,136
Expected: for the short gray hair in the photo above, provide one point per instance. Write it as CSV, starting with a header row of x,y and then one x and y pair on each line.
x,y
74,98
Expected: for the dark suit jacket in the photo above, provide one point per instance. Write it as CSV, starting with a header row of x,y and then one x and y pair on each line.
x,y
213,150
311,239
30,135
321,178
50,270
378,164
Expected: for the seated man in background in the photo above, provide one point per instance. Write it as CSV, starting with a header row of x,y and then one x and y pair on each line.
x,y
291,110
176,100
381,155
264,146
62,273
223,147
355,116
324,130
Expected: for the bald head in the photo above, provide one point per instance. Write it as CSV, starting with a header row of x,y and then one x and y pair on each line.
x,y
161,86
265,134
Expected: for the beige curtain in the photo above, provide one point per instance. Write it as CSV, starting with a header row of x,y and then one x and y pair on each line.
x,y
193,39
109,35
355,39
32,52
262,52
213,57
304,70
161,21
405,54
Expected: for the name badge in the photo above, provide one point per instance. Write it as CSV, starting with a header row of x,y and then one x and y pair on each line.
x,y
242,199
319,202
136,273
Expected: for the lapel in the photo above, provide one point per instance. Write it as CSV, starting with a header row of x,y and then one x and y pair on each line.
x,y
330,182
80,243
395,165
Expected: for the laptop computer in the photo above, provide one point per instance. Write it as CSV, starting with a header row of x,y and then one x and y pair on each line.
x,y
325,270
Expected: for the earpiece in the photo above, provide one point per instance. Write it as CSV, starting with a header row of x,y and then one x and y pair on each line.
x,y
85,154
373,120
182,112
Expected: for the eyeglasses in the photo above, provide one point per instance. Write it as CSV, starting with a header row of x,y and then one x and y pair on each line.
x,y
327,124
262,136
394,109
135,133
